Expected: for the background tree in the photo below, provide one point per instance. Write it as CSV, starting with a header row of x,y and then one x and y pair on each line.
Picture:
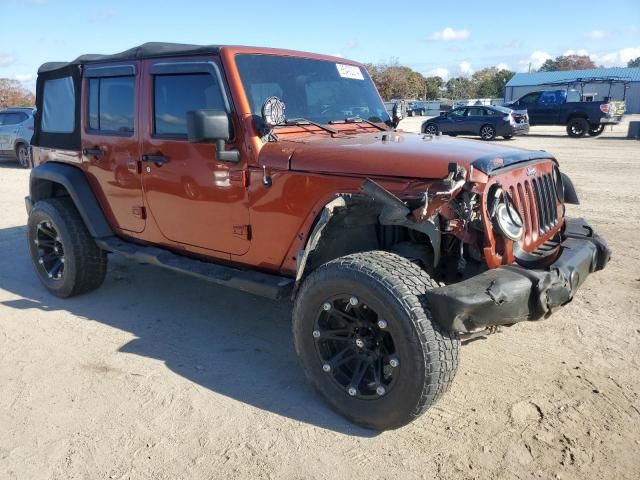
x,y
13,94
567,62
433,86
490,82
460,87
634,63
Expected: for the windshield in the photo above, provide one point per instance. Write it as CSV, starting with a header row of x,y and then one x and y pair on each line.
x,y
316,90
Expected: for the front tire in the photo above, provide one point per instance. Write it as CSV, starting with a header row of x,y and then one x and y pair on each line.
x,y
595,130
367,342
431,129
577,127
65,256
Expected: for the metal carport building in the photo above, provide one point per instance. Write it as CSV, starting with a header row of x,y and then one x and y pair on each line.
x,y
523,83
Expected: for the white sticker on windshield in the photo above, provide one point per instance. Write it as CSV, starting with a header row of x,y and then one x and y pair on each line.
x,y
349,71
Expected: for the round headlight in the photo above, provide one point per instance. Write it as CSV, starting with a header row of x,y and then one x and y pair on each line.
x,y
505,217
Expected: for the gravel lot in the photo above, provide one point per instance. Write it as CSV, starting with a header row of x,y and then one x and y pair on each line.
x,y
165,377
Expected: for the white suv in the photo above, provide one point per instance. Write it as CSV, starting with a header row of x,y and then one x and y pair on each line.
x,y
16,130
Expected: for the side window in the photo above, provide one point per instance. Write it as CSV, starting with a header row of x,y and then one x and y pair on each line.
x,y
530,99
111,104
475,112
58,106
458,112
175,95
12,118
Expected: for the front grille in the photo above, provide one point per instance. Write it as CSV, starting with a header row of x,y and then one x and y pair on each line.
x,y
536,200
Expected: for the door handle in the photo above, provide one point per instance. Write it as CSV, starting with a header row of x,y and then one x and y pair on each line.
x,y
159,160
93,152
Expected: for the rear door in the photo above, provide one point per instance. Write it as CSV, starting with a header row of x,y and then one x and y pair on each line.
x,y
110,140
549,106
194,198
475,119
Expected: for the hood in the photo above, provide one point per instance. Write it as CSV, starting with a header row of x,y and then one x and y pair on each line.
x,y
390,154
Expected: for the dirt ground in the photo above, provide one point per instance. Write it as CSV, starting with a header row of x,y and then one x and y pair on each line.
x,y
159,376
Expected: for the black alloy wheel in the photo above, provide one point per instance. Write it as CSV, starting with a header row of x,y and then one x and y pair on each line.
x,y
367,341
50,256
65,256
596,130
355,348
577,127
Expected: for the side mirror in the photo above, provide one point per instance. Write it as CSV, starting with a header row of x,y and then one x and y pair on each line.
x,y
212,126
444,114
399,112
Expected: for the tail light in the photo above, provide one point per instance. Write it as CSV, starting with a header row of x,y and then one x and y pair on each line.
x,y
605,108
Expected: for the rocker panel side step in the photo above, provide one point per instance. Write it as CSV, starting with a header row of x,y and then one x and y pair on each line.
x,y
258,283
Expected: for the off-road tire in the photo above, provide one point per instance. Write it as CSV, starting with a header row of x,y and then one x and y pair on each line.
x,y
85,264
428,355
577,127
23,156
487,132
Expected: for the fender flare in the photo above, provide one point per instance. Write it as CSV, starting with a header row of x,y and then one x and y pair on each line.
x,y
76,184
570,193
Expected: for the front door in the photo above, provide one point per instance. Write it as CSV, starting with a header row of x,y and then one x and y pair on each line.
x,y
194,198
110,140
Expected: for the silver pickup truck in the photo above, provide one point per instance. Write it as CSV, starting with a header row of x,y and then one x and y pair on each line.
x,y
16,130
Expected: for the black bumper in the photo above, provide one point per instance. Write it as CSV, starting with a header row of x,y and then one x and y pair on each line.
x,y
511,294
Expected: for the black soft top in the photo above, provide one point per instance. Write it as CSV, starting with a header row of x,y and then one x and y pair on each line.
x,y
146,50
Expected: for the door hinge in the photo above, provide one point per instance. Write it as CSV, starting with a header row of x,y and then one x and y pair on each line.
x,y
139,211
242,231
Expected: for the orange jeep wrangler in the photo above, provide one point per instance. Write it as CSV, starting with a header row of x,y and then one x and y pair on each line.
x,y
280,173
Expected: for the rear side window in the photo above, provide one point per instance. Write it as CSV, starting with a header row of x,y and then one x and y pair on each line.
x,y
175,95
58,106
12,118
111,104
475,112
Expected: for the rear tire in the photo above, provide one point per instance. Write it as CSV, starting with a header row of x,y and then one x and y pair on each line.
x,y
340,307
65,256
487,132
22,153
595,130
577,127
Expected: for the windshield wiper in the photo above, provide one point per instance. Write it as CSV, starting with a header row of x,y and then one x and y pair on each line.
x,y
302,121
359,120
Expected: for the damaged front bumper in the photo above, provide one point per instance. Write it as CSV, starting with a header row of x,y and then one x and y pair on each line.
x,y
511,293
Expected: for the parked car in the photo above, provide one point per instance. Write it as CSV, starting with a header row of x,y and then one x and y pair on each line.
x,y
562,107
418,108
487,122
16,130
450,240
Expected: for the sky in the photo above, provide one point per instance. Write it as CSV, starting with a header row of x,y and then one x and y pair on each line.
x,y
432,37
